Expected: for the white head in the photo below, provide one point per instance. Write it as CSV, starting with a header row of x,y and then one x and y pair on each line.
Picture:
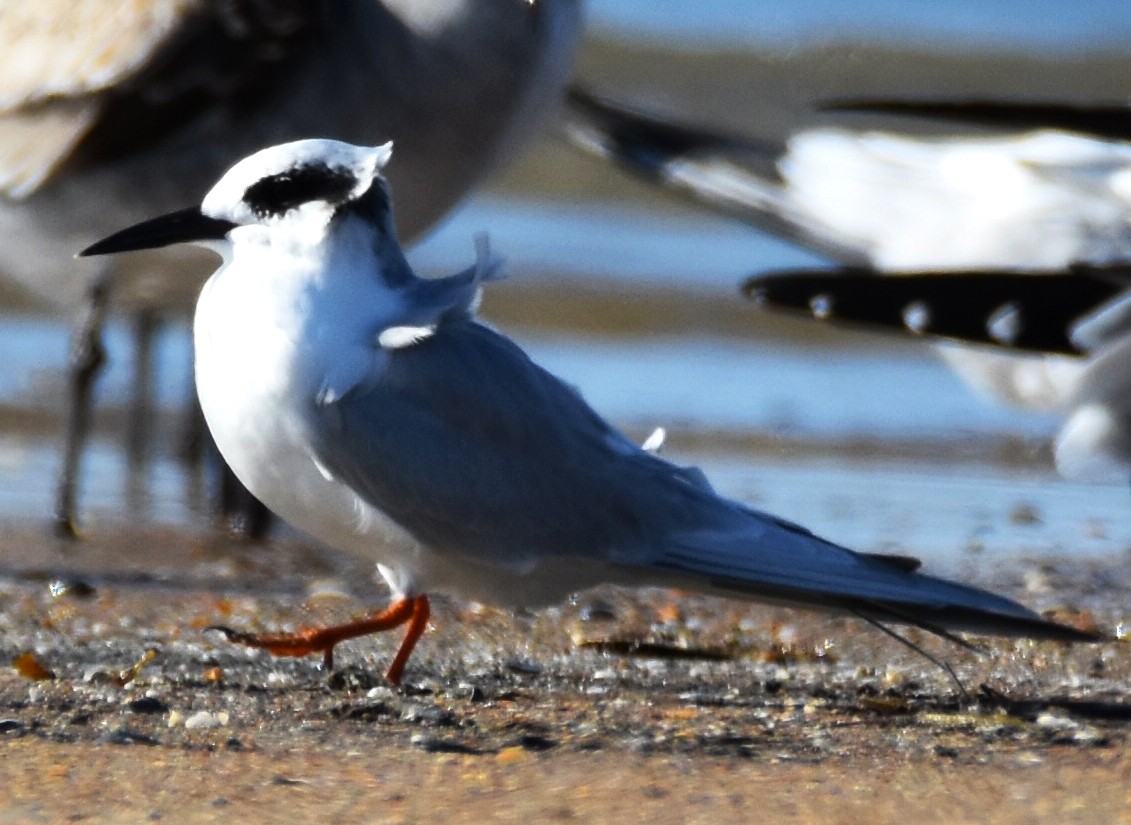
x,y
303,179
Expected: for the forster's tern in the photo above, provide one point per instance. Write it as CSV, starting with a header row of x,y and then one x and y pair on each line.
x,y
368,407
95,97
1041,200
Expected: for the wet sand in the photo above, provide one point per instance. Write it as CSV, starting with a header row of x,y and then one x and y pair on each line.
x,y
53,783
647,705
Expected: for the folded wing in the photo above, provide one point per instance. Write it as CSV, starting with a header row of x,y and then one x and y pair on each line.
x,y
477,451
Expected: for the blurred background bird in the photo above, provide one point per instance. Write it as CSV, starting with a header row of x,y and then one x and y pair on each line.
x,y
897,202
110,111
1052,199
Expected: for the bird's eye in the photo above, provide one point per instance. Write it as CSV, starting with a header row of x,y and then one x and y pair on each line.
x,y
277,194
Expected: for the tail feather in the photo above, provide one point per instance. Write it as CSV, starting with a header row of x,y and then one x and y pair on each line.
x,y
775,561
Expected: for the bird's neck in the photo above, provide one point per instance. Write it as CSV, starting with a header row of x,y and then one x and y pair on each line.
x,y
367,224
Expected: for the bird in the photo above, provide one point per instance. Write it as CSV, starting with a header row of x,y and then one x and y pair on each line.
x,y
1051,199
371,408
95,97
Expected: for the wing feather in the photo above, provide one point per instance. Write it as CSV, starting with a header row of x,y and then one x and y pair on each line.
x,y
68,49
472,447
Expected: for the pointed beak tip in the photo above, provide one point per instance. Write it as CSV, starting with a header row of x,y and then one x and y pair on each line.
x,y
89,251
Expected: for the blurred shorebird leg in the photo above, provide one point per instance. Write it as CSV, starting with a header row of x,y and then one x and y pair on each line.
x,y
146,325
87,355
411,610
194,439
241,513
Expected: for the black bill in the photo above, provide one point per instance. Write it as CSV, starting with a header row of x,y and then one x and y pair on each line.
x,y
185,226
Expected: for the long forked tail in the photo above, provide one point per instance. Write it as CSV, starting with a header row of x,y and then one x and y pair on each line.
x,y
768,559
936,605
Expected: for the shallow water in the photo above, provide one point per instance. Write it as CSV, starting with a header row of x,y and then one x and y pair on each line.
x,y
870,441
959,24
880,449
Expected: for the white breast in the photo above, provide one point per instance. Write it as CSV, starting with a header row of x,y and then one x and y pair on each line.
x,y
257,379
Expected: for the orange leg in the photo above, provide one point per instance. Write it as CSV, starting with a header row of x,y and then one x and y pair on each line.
x,y
411,610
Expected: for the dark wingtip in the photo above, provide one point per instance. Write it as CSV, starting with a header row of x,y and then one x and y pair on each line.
x,y
1015,310
1059,632
904,564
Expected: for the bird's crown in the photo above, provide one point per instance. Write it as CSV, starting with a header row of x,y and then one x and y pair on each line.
x,y
276,180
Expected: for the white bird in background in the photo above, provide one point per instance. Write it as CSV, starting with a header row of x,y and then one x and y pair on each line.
x,y
96,97
368,407
1041,200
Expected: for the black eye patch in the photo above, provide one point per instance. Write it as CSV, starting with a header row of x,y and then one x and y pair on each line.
x,y
278,194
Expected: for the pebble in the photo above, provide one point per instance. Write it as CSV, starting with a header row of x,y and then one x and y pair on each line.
x,y
1054,721
147,704
204,720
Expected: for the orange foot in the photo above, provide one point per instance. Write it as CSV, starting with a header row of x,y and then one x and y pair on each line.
x,y
411,610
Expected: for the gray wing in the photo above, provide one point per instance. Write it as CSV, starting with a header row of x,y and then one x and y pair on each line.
x,y
474,449
1110,121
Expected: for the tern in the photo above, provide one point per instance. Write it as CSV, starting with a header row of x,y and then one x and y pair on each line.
x,y
369,407
95,97
1055,196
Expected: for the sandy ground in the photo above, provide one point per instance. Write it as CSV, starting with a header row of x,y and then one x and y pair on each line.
x,y
620,706
61,782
